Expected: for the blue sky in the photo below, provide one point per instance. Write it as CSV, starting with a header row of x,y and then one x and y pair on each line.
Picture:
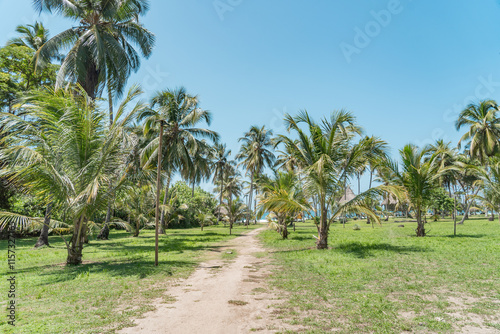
x,y
417,62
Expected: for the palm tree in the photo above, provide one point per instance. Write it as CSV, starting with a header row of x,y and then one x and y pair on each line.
x,y
200,168
255,154
445,157
180,114
117,181
327,156
64,153
220,164
101,51
467,173
236,210
484,129
283,196
417,177
32,36
205,219
232,188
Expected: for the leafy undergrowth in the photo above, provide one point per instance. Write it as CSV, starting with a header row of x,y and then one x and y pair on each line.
x,y
116,284
385,280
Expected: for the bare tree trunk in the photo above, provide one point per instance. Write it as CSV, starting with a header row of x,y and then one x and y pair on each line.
x,y
420,224
43,239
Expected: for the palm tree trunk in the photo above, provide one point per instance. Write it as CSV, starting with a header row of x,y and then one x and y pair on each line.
x,y
76,243
359,184
255,206
284,232
467,208
104,233
220,198
371,177
420,223
43,239
110,102
322,242
192,190
250,198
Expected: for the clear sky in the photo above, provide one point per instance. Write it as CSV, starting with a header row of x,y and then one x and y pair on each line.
x,y
404,68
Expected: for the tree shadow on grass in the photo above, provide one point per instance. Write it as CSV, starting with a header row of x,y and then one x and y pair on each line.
x,y
459,235
134,267
363,251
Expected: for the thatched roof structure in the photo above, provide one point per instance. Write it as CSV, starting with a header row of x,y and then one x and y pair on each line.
x,y
390,200
348,195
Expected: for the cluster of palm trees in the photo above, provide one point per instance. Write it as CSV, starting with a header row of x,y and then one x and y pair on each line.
x,y
81,159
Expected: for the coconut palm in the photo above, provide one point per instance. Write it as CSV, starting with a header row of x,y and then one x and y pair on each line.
x,y
32,36
200,169
484,129
205,219
467,172
64,153
133,94
180,115
101,46
415,180
236,210
326,154
220,164
284,197
255,154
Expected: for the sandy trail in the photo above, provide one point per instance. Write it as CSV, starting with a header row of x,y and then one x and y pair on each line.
x,y
203,300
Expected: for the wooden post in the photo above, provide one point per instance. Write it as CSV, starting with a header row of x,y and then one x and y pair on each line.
x,y
158,181
455,214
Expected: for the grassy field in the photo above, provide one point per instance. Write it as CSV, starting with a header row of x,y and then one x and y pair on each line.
x,y
116,283
385,280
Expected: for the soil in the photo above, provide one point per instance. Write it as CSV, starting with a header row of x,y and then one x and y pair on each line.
x,y
221,296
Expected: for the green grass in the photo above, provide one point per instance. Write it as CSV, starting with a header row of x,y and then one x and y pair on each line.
x,y
385,280
116,284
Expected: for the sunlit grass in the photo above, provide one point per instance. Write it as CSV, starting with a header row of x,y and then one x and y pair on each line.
x,y
386,280
117,282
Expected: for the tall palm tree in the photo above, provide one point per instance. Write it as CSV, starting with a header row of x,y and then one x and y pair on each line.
x,y
101,46
326,154
232,188
417,177
484,129
180,114
64,153
220,164
255,154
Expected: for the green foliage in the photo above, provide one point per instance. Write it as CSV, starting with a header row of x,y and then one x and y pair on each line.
x,y
26,205
440,201
17,74
202,202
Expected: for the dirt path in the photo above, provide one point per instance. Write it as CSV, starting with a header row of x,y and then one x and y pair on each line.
x,y
221,296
